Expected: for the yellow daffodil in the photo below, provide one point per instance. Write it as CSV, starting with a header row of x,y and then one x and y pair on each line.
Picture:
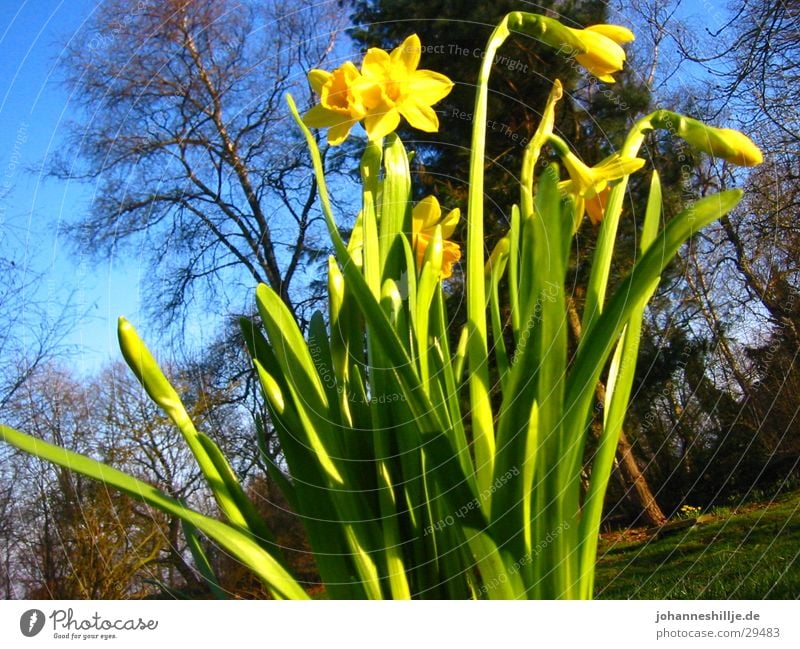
x,y
402,90
340,107
387,87
589,185
602,54
425,217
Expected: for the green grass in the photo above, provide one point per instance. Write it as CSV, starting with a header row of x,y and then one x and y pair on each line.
x,y
750,553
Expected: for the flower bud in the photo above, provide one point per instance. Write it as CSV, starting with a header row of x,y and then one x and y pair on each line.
x,y
596,48
391,299
335,288
146,369
498,256
725,143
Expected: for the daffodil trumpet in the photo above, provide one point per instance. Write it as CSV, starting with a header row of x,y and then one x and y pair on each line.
x,y
589,186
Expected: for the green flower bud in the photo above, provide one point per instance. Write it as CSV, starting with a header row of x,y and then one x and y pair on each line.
x,y
146,369
725,143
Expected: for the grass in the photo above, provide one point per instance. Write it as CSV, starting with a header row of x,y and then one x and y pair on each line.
x,y
752,552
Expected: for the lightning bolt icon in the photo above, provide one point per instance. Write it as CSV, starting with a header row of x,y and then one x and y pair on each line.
x,y
32,621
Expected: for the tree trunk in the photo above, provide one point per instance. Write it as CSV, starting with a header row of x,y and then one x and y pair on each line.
x,y
634,478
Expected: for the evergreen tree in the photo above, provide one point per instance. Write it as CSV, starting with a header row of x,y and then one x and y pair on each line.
x,y
453,36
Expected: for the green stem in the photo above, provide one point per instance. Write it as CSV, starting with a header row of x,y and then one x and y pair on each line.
x,y
477,346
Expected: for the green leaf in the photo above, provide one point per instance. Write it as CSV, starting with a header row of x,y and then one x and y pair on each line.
x,y
497,263
618,390
631,296
231,539
395,207
201,560
310,494
218,473
499,572
536,380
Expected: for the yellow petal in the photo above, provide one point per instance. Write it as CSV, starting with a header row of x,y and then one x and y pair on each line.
x,y
381,122
336,92
604,48
420,116
321,117
420,242
581,175
596,206
599,72
602,55
317,79
428,87
616,33
426,214
450,222
339,132
450,255
428,227
615,166
376,63
407,53
367,93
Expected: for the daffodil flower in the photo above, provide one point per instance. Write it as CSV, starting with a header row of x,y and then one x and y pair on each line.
x,y
402,90
340,107
425,217
388,86
602,53
589,185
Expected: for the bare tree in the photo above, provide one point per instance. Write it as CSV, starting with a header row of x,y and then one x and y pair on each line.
x,y
31,333
188,139
740,302
65,536
31,329
758,69
659,32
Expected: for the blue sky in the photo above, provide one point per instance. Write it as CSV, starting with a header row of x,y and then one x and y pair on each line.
x,y
35,108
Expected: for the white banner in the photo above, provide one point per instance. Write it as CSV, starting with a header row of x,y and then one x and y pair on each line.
x,y
389,625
